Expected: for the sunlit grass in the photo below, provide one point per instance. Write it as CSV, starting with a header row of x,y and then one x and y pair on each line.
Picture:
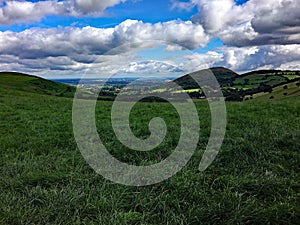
x,y
45,180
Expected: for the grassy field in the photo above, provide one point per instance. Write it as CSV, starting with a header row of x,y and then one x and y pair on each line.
x,y
290,90
33,84
255,178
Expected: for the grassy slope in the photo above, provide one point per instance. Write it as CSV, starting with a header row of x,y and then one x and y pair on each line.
x,y
255,80
28,83
44,179
290,90
223,75
230,79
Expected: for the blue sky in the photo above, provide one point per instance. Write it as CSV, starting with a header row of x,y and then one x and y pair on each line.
x,y
151,11
64,38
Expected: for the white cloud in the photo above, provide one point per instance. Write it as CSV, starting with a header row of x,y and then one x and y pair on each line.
x,y
173,48
23,11
257,57
17,11
71,50
217,14
94,6
150,67
257,34
184,5
87,41
197,61
260,34
75,49
244,59
253,23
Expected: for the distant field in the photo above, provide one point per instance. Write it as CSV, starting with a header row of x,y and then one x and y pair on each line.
x,y
44,179
291,77
189,90
256,79
237,87
291,90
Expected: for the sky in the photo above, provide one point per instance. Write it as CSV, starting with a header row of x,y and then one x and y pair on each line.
x,y
69,38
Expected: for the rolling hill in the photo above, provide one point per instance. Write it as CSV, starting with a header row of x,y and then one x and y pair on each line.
x,y
33,84
46,180
223,75
284,91
235,87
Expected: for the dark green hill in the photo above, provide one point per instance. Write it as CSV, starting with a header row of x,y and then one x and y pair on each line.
x,y
223,75
285,91
259,82
235,87
228,78
34,84
266,77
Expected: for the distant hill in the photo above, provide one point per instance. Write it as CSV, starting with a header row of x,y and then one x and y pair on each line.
x,y
285,91
223,75
268,77
34,84
235,87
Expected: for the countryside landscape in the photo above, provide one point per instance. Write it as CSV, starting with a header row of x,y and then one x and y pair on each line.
x,y
149,112
253,180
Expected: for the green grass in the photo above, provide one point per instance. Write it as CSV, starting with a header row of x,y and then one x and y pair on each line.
x,y
286,91
291,77
45,180
33,84
254,80
235,86
189,90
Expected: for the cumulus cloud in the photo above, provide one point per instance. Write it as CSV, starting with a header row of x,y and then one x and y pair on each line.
x,y
253,23
150,67
244,59
239,59
196,61
277,16
74,48
93,6
88,41
258,57
17,11
214,15
258,34
23,11
131,34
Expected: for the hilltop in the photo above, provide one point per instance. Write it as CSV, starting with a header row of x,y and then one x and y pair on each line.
x,y
33,84
235,86
223,75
